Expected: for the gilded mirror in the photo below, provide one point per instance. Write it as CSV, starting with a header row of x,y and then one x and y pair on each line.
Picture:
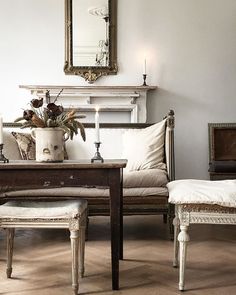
x,y
90,38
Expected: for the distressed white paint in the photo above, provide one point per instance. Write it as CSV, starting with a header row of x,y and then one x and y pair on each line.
x,y
49,144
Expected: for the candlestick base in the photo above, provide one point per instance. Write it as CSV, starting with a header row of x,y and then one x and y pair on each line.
x,y
97,156
2,157
144,80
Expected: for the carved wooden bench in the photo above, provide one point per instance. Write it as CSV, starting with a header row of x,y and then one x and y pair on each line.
x,y
60,214
199,202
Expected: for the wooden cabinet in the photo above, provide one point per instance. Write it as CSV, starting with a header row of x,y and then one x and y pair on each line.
x,y
222,150
222,176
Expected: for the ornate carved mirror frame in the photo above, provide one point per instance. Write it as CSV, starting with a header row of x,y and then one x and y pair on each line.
x,y
91,73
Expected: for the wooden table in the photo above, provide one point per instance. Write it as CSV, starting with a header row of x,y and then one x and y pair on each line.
x,y
30,174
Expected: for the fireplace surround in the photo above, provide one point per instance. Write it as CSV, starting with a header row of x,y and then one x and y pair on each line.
x,y
131,99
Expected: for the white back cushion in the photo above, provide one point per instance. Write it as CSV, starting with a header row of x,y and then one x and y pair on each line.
x,y
144,148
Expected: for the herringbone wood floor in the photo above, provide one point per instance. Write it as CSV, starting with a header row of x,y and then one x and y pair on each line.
x,y
42,261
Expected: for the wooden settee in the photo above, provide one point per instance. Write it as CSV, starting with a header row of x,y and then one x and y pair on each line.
x,y
140,195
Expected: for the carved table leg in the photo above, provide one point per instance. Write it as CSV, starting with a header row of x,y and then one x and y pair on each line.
x,y
81,251
10,244
176,243
74,236
183,238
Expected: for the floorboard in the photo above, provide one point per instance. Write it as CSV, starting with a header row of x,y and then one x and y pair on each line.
x,y
41,263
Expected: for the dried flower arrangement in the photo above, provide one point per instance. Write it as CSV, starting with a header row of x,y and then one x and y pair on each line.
x,y
52,115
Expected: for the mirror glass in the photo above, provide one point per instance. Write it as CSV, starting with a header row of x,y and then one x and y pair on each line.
x,y
90,33
90,38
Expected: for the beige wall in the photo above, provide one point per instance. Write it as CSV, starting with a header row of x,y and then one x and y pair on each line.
x,y
191,55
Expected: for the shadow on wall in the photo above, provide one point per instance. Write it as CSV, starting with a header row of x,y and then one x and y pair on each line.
x,y
191,130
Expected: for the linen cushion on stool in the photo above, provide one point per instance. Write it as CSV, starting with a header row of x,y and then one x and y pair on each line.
x,y
193,191
53,214
32,209
199,201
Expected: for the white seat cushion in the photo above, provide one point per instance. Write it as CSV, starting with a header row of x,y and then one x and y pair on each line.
x,y
192,191
145,178
86,192
49,210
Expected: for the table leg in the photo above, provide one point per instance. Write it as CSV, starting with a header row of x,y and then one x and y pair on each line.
x,y
114,181
121,217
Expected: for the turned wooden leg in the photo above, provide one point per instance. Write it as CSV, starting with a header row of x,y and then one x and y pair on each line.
x,y
10,242
176,243
74,237
81,250
87,228
183,239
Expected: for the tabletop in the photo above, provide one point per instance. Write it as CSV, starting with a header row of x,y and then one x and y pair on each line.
x,y
66,164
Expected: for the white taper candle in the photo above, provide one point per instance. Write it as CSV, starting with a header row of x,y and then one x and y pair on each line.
x,y
145,67
97,132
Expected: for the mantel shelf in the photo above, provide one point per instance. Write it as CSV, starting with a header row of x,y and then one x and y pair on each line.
x,y
67,87
109,98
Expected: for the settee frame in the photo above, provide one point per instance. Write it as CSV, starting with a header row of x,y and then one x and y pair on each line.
x,y
147,205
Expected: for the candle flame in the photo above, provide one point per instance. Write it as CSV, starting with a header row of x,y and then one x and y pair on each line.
x,y
97,108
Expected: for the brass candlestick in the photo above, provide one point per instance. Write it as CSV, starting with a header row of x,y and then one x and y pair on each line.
x,y
2,157
97,156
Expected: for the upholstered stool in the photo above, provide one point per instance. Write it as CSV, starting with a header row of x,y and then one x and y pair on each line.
x,y
56,214
201,202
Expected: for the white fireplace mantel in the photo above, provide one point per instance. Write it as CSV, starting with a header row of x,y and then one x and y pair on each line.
x,y
109,98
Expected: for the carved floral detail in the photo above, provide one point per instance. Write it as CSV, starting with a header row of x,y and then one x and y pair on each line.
x,y
213,219
186,216
73,224
91,76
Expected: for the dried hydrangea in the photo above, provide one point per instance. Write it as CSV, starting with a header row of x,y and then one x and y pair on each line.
x,y
52,115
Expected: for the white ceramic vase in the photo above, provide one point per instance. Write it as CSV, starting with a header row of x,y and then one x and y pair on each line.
x,y
49,144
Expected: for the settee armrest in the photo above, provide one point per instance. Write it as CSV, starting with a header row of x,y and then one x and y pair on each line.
x,y
169,145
